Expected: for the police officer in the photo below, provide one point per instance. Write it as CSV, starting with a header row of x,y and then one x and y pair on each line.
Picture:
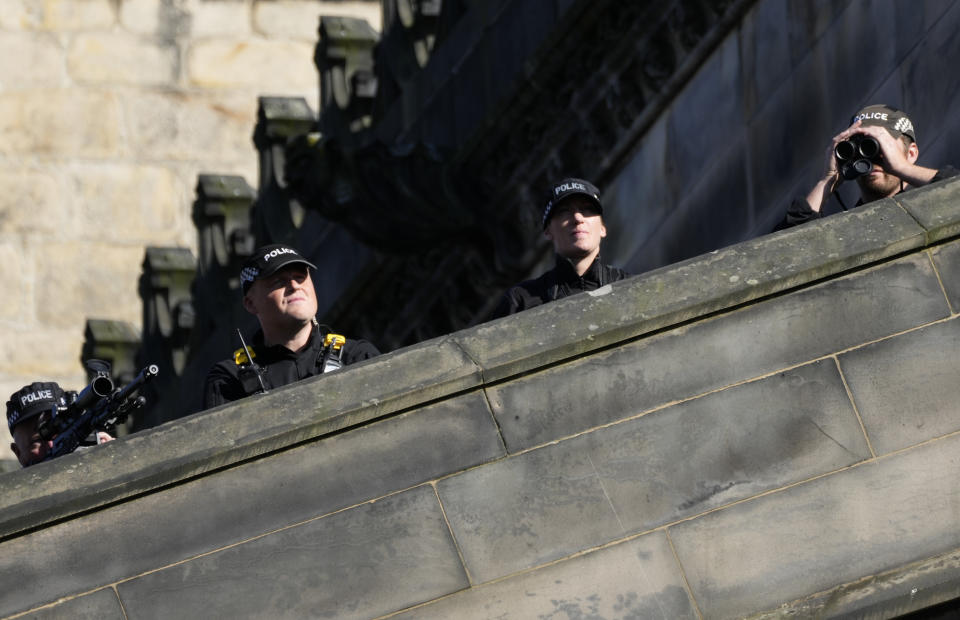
x,y
27,410
894,170
573,223
291,344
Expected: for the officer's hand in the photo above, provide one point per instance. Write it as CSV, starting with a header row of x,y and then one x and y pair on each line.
x,y
831,178
893,160
103,437
831,174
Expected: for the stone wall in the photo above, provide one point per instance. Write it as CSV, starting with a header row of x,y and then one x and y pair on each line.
x,y
766,430
108,111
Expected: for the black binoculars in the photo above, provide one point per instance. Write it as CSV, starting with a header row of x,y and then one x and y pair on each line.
x,y
855,156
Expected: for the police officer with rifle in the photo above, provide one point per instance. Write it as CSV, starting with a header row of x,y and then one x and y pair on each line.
x,y
47,422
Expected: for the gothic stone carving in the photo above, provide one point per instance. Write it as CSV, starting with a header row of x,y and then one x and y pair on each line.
x,y
277,215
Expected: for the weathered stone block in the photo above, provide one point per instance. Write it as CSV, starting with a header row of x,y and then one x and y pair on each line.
x,y
225,18
141,16
39,61
108,287
128,203
637,579
890,594
118,58
34,353
947,260
269,66
31,202
70,15
100,604
20,15
714,281
64,122
359,563
228,507
711,354
833,530
16,278
696,456
209,127
906,387
935,207
527,510
7,460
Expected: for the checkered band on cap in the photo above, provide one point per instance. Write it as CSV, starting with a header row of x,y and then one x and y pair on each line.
x,y
33,399
249,274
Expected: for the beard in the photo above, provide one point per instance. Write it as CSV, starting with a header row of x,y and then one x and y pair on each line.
x,y
874,187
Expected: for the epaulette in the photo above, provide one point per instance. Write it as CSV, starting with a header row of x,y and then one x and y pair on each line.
x,y
240,356
329,358
333,339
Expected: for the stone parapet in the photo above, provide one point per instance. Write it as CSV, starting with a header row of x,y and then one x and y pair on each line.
x,y
767,428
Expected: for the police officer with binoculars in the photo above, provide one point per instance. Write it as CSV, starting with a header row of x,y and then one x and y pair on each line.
x,y
879,151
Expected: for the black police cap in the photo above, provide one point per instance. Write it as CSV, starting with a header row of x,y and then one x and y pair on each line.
x,y
267,260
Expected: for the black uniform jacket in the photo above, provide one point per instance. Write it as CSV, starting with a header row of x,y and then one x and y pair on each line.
x,y
279,365
561,281
800,212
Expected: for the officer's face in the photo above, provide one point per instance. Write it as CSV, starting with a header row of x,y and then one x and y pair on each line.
x,y
575,228
878,182
283,300
27,444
